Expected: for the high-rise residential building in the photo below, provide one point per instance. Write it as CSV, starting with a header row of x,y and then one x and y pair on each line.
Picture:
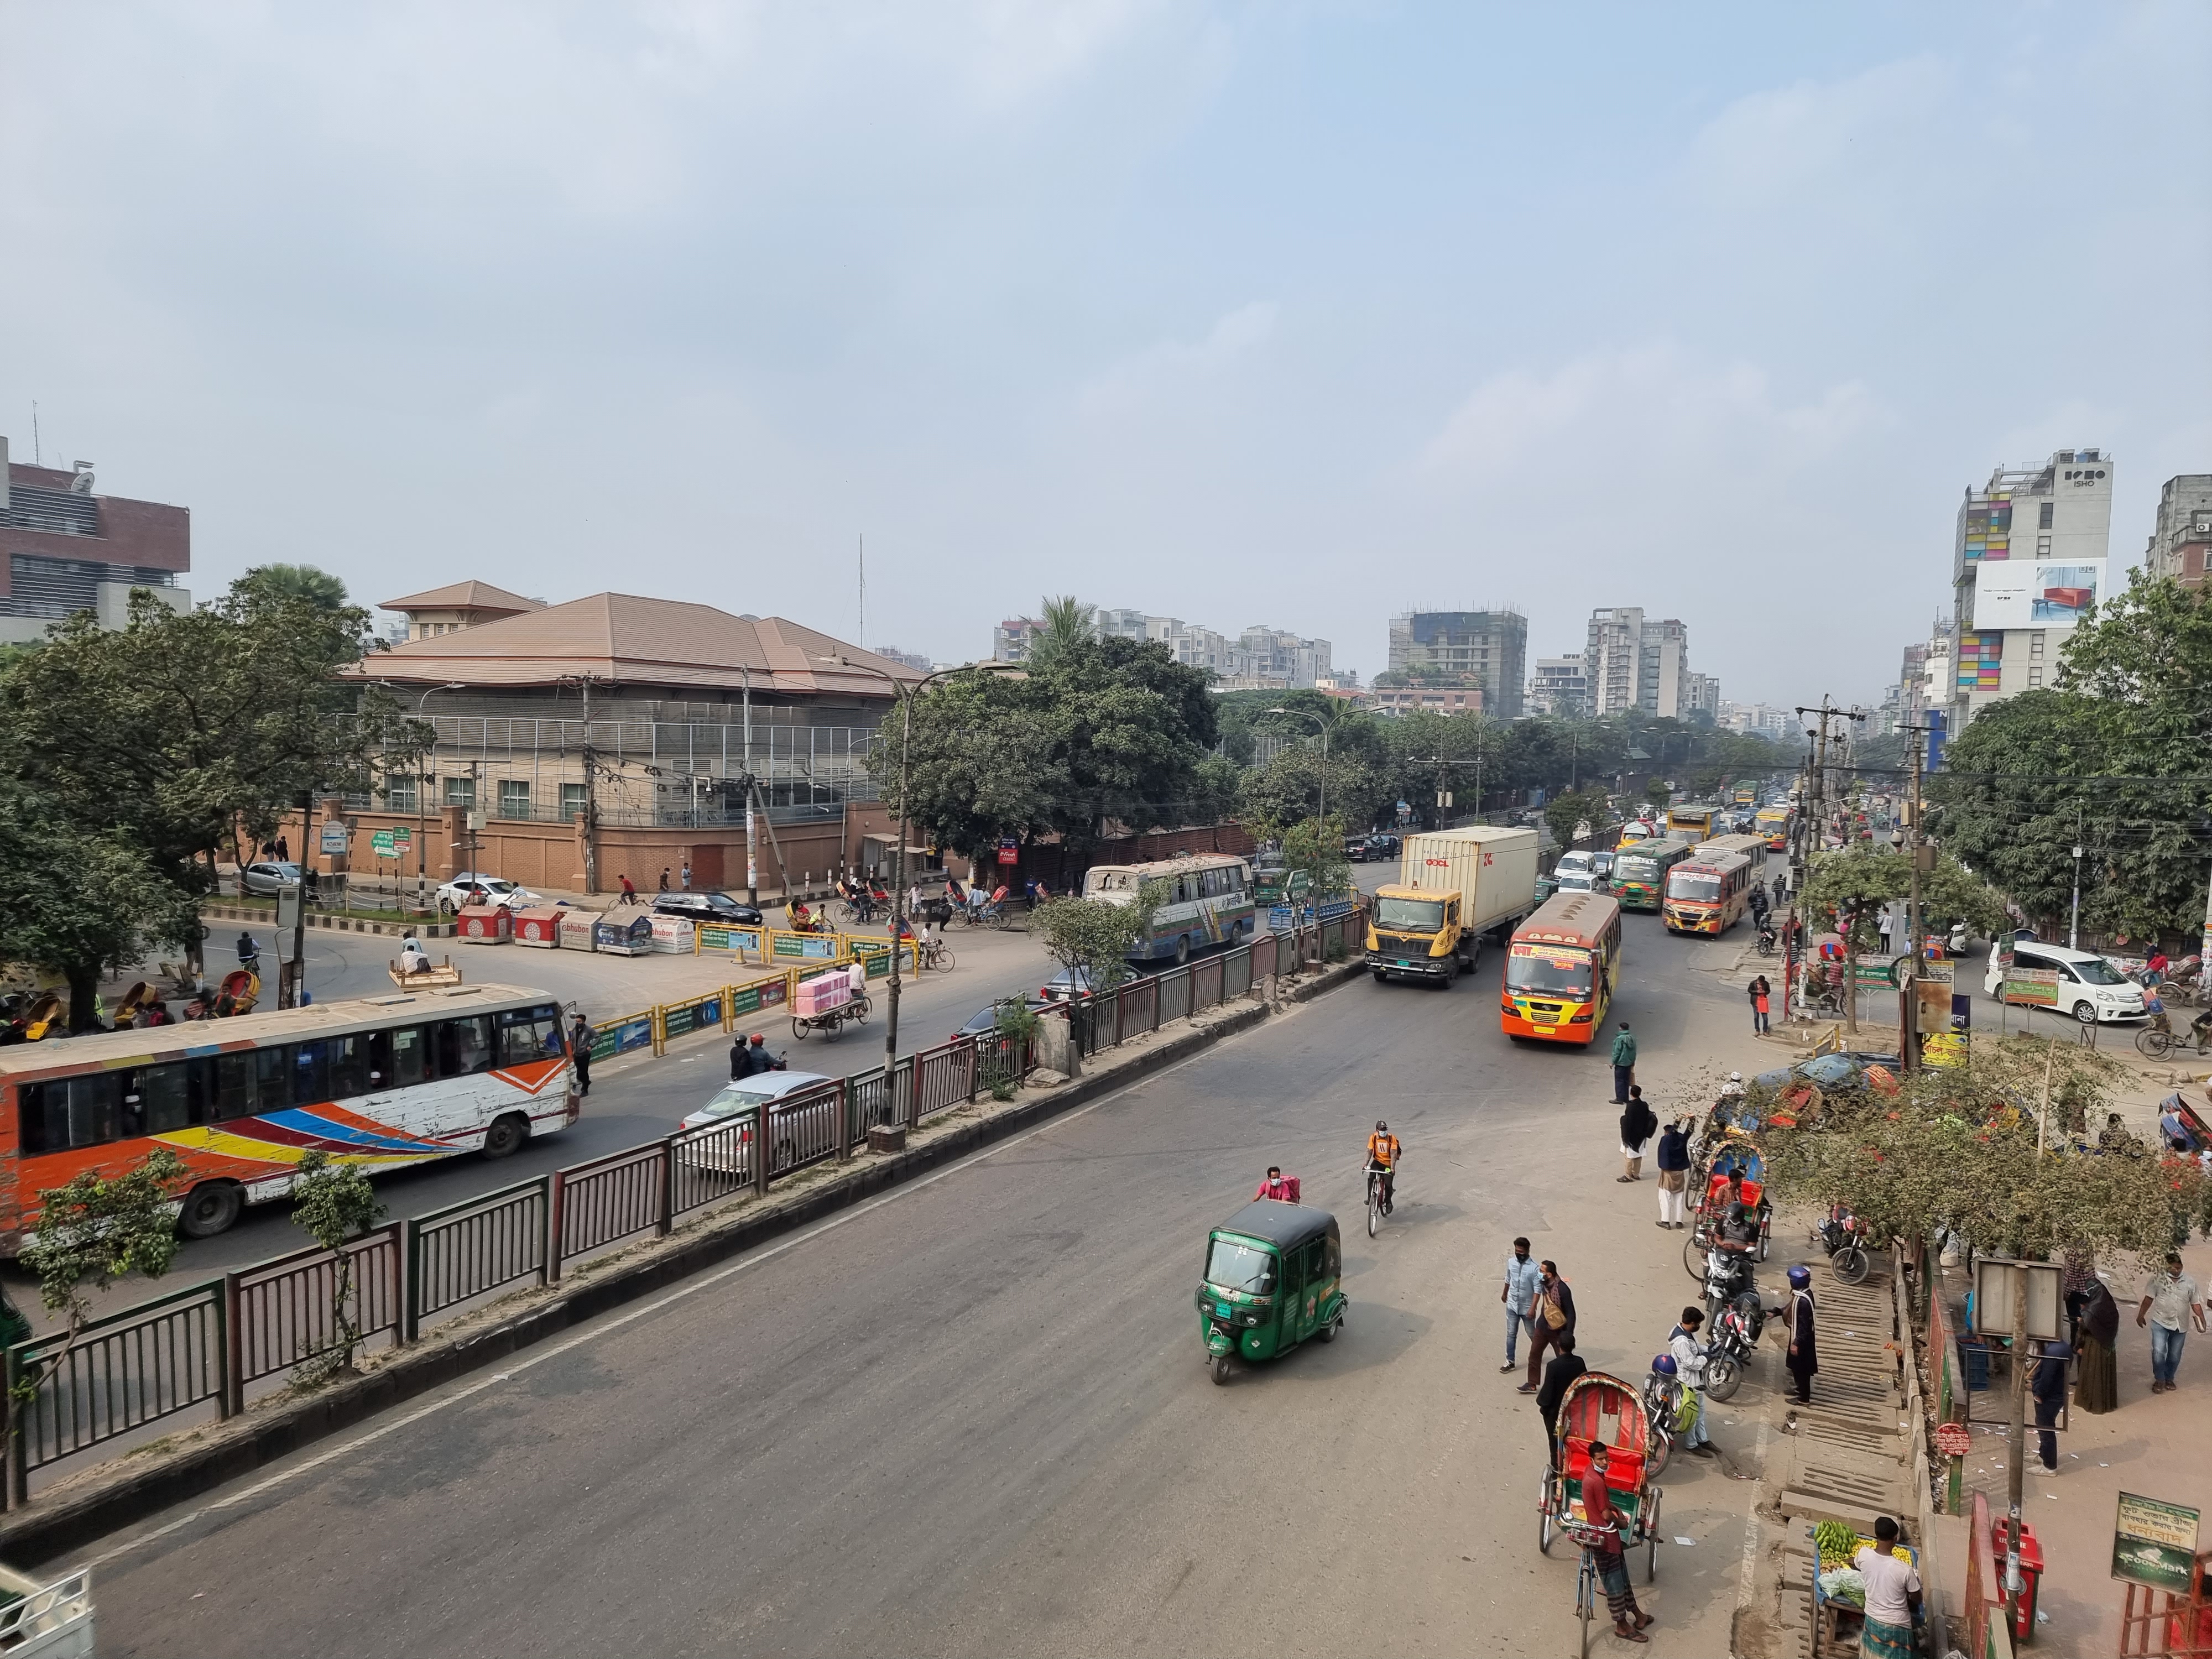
x,y
2028,560
1012,639
1703,692
1488,649
63,548
1560,686
912,659
1260,657
1632,661
1760,720
2181,543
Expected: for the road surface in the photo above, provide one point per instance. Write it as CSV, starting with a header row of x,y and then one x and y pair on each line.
x,y
972,1416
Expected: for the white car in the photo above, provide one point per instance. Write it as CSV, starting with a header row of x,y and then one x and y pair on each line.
x,y
727,1157
2090,989
497,890
741,1095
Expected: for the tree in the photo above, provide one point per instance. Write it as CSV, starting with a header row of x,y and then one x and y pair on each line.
x,y
1290,787
1956,1147
1092,939
1855,882
91,1232
79,903
278,583
1065,629
1314,848
1565,814
334,1203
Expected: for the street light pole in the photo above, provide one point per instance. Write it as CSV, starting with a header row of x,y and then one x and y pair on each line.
x,y
2074,923
422,787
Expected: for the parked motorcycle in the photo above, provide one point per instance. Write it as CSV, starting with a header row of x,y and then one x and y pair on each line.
x,y
1662,1406
1728,1351
1844,1240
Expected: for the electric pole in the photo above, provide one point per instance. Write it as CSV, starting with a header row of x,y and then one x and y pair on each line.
x,y
1915,920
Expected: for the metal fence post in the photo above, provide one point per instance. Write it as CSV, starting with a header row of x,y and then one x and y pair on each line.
x,y
233,1348
556,1186
665,1223
19,1451
410,1281
760,1149
974,1070
848,1117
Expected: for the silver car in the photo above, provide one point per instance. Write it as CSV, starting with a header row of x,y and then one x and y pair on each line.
x,y
266,880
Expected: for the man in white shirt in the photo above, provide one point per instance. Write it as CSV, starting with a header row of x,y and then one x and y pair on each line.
x,y
1690,1371
1893,1596
856,976
2170,1300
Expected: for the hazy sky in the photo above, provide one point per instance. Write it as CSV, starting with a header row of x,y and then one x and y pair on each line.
x,y
1285,314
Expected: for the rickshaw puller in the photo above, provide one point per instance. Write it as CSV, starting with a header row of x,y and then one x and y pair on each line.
x,y
1599,1515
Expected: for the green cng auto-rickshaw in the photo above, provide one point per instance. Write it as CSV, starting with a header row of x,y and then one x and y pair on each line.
x,y
1274,1277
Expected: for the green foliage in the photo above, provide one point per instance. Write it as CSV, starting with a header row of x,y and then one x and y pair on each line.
x,y
1658,792
1093,936
278,583
2108,759
1852,884
1314,848
1013,1018
1956,1148
79,901
1066,631
1107,733
332,1203
97,1227
1564,813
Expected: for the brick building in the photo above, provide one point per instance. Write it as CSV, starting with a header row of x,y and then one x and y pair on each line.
x,y
64,549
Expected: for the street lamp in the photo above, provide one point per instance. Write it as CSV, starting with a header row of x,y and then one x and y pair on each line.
x,y
421,786
904,690
2074,926
1321,726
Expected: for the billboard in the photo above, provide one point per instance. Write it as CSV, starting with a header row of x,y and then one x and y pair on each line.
x,y
2037,593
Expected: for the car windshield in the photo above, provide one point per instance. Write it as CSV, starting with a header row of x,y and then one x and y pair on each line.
x,y
1550,969
1630,867
1569,862
2099,972
1236,1267
1699,888
1577,881
1421,915
733,1100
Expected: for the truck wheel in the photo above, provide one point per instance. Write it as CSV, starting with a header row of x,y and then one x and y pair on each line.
x,y
1451,973
1381,978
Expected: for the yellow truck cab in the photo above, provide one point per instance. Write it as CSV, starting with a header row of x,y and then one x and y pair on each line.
x,y
1414,933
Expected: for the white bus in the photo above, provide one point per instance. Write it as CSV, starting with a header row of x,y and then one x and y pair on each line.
x,y
379,1083
1203,899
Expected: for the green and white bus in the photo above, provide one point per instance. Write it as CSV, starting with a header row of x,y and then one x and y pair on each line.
x,y
1205,899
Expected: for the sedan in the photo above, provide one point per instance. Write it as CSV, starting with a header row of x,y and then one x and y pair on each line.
x,y
985,1020
707,906
741,1097
266,880
470,887
1846,1070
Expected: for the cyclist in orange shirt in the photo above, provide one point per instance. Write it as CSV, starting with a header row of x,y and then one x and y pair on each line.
x,y
1382,1150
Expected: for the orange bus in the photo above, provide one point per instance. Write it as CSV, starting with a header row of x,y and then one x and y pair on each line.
x,y
1562,969
1708,895
377,1084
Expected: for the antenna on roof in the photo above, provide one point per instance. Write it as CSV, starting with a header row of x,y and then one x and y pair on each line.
x,y
862,639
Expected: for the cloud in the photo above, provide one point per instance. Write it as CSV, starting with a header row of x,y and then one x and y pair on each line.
x,y
1782,142
1171,368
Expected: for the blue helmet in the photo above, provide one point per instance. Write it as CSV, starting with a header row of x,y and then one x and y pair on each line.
x,y
1664,1364
1800,1278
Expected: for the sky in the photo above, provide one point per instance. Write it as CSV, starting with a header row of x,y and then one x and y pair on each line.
x,y
1287,313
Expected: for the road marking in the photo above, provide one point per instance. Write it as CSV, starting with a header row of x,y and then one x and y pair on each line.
x,y
690,1288
1750,1572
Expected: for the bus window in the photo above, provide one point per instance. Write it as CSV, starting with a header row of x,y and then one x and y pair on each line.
x,y
522,1033
411,1057
70,1111
165,1094
463,1046
233,1088
311,1074
349,1066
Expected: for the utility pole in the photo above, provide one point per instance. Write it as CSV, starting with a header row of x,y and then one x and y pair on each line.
x,y
2074,921
590,798
1817,789
752,838
1916,923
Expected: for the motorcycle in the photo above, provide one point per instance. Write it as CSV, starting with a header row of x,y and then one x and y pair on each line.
x,y
1663,1404
1728,1276
1767,938
1735,1334
1844,1241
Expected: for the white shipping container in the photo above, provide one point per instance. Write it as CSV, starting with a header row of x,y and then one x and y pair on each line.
x,y
1493,869
673,936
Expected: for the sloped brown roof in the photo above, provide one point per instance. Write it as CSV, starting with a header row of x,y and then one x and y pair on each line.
x,y
464,596
625,639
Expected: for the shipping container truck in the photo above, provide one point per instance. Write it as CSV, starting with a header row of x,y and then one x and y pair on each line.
x,y
1453,886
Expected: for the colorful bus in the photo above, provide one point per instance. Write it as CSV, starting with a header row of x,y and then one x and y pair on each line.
x,y
1639,872
379,1083
1708,893
1203,900
1562,969
1690,824
1752,846
1775,823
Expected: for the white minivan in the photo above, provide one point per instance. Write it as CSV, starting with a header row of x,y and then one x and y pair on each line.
x,y
2090,988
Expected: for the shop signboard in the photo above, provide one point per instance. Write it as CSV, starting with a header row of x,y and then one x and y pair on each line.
x,y
1010,850
2036,987
2154,1543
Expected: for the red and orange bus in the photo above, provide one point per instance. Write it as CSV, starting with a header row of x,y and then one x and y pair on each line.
x,y
1708,895
379,1083
1562,969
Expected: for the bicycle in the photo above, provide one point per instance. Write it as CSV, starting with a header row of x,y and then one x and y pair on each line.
x,y
936,955
1376,1173
2155,1040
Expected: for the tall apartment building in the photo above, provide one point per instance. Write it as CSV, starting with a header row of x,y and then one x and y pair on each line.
x,y
2028,560
1260,657
1760,720
1703,692
63,548
1560,686
1484,648
2182,540
1012,639
1632,661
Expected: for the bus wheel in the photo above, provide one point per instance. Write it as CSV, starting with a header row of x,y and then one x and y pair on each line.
x,y
210,1208
505,1137
1182,950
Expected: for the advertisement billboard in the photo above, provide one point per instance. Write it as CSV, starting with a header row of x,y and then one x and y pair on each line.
x,y
2039,593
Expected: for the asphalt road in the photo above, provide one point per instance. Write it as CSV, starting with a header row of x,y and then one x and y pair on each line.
x,y
972,1416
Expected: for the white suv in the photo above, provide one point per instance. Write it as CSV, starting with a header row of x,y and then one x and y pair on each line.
x,y
497,891
2090,988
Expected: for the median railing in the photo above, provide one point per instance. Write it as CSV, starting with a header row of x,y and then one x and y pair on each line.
x,y
210,1343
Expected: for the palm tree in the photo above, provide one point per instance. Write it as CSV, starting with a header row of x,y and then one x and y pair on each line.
x,y
297,581
1064,626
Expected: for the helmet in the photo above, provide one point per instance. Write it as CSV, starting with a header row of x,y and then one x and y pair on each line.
x,y
1664,1364
1800,1278
760,1037
1735,1211
1735,1077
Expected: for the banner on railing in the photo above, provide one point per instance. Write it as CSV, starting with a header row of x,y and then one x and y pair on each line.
x,y
679,1019
811,947
622,1035
742,941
